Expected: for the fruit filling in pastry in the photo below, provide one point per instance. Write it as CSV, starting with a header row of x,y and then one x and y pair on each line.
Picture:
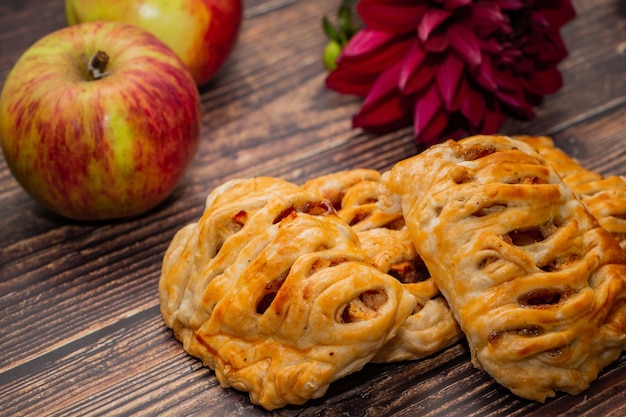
x,y
386,240
272,291
535,283
605,197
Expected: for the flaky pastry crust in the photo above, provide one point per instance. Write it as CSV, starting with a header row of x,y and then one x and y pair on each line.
x,y
271,290
536,285
386,240
605,197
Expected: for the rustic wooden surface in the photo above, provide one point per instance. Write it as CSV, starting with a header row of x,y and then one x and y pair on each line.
x,y
80,328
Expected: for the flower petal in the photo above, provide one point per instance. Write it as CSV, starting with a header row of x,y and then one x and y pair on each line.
x,y
384,106
367,41
511,4
544,82
431,20
386,83
559,48
455,4
539,19
492,121
461,94
347,82
422,77
487,18
547,48
473,107
426,107
448,78
433,132
411,65
559,16
505,79
516,100
385,118
371,51
484,74
437,42
393,18
490,46
463,40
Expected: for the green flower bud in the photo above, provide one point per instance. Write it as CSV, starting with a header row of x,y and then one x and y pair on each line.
x,y
331,52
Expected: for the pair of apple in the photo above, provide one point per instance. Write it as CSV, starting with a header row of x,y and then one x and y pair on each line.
x,y
201,32
100,120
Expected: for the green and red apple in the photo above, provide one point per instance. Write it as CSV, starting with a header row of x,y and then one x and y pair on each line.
x,y
202,32
99,121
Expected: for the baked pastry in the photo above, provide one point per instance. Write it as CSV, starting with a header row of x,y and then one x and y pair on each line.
x,y
605,197
536,285
271,290
386,240
354,194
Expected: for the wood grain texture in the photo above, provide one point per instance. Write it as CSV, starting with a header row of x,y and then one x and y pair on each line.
x,y
80,328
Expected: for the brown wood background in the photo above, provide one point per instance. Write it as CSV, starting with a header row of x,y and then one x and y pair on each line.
x,y
80,328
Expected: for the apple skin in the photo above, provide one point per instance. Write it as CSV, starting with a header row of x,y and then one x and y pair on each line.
x,y
202,32
99,149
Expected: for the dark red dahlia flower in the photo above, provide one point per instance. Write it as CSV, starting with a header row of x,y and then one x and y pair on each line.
x,y
451,67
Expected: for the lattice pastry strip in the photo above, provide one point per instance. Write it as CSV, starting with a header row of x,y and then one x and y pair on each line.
x,y
536,285
605,197
385,238
354,194
271,290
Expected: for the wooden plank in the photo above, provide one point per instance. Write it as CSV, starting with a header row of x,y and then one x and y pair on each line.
x,y
135,364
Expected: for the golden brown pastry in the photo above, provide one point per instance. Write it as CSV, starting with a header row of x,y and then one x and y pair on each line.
x,y
386,240
354,194
605,197
271,290
536,285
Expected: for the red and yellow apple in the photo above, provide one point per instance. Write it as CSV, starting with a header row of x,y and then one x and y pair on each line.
x,y
202,32
96,140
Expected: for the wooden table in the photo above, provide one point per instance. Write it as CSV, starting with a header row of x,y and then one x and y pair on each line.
x,y
80,327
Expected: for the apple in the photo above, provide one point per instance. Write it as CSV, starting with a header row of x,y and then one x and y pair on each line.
x,y
99,121
202,32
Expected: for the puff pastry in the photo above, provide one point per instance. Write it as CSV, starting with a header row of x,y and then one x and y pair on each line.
x,y
605,197
536,285
271,290
386,240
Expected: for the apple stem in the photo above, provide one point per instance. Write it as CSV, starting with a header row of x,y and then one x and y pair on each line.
x,y
97,65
